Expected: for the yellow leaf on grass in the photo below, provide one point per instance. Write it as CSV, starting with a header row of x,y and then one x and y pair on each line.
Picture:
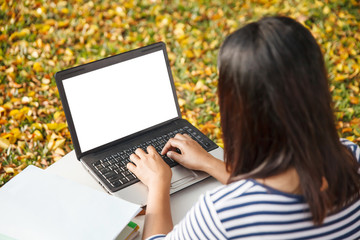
x,y
65,11
60,127
4,143
20,34
354,100
51,126
69,52
181,102
350,110
347,129
56,126
13,112
350,138
9,169
326,10
50,144
354,88
356,132
60,151
189,54
340,78
21,144
22,166
37,67
200,86
16,132
37,135
16,114
199,101
8,105
59,143
63,23
208,71
57,115
25,110
36,125
31,94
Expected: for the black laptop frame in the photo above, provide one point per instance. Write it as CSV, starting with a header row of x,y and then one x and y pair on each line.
x,y
85,68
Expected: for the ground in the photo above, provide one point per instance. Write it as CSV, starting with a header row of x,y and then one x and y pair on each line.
x,y
39,38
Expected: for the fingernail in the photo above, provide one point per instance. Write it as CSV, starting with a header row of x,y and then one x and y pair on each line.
x,y
168,154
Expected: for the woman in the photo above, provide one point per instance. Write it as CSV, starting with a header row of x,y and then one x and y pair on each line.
x,y
287,175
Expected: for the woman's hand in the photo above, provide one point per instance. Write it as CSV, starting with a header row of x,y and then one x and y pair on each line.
x,y
150,168
194,157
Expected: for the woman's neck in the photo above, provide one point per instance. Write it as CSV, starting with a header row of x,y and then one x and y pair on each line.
x,y
287,181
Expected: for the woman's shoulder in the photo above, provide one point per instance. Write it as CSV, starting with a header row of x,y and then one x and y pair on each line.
x,y
249,190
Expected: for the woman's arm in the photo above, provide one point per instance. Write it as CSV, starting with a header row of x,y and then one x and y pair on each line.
x,y
151,169
194,157
158,215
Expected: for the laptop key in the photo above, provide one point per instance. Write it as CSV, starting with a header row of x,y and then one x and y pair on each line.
x,y
116,183
124,180
104,171
112,178
109,174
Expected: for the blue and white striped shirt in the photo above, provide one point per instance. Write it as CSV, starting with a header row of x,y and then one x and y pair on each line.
x,y
249,210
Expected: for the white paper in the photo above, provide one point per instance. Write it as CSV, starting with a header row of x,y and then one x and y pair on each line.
x,y
40,205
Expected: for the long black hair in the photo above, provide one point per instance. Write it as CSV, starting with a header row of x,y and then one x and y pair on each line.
x,y
276,113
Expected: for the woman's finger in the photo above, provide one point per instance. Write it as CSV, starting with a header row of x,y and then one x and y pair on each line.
x,y
141,153
180,136
134,158
172,143
187,136
174,156
131,167
151,149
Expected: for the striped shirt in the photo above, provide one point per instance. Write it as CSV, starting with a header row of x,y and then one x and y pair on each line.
x,y
247,209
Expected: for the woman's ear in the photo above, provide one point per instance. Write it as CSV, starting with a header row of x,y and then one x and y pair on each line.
x,y
324,185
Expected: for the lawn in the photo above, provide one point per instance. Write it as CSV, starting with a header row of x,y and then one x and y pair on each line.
x,y
39,38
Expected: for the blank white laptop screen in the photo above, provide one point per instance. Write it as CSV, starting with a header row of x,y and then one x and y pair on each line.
x,y
116,101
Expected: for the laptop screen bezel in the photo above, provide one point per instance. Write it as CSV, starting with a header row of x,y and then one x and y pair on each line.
x,y
85,68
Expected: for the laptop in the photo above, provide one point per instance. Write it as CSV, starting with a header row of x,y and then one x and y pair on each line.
x,y
118,104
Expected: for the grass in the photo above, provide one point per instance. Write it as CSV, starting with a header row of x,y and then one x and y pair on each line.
x,y
39,38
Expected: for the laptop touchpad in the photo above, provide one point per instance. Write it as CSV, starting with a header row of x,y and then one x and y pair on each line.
x,y
181,175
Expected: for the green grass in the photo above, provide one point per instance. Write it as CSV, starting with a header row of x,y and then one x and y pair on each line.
x,y
39,38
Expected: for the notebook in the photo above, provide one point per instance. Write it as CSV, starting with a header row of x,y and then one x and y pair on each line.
x,y
37,204
118,104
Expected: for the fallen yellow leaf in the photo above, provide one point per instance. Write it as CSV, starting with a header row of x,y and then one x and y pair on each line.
x,y
37,135
59,143
4,143
36,125
354,100
347,129
9,169
37,67
350,138
356,132
181,102
199,101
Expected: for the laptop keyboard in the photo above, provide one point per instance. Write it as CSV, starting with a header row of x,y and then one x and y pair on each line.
x,y
113,168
